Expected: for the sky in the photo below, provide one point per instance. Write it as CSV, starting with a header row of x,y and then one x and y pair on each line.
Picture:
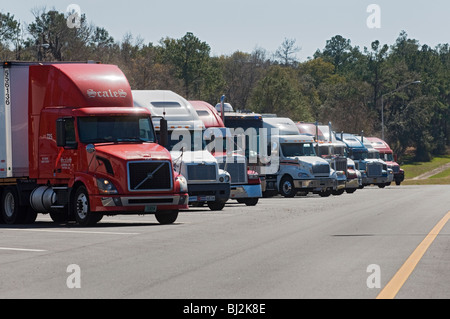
x,y
245,25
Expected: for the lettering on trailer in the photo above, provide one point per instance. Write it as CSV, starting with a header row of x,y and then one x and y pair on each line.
x,y
7,87
107,94
7,119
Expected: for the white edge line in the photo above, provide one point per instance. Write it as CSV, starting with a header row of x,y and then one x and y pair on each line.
x,y
22,249
70,231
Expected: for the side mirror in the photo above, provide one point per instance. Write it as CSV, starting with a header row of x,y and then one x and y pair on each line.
x,y
164,133
61,132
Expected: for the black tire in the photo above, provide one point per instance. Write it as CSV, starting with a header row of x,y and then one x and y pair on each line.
x,y
218,205
325,193
287,188
381,185
250,201
81,208
338,192
167,217
59,217
31,215
350,190
11,211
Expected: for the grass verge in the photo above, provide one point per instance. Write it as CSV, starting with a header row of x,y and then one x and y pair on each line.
x,y
418,168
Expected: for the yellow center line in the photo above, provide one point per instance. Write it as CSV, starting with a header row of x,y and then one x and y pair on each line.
x,y
393,286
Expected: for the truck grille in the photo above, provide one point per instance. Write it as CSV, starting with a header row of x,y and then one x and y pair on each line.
x,y
238,172
374,169
202,172
149,175
341,164
321,170
396,168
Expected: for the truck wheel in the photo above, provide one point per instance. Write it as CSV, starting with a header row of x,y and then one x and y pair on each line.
x,y
59,217
81,209
11,212
250,201
325,193
31,215
216,205
338,192
287,188
167,217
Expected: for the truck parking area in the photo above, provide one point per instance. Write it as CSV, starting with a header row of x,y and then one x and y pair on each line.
x,y
303,247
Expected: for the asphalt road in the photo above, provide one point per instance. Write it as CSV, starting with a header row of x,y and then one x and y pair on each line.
x,y
347,246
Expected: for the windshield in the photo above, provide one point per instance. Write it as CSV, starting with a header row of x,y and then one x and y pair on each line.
x,y
331,150
388,157
104,129
186,140
220,139
297,149
358,155
373,155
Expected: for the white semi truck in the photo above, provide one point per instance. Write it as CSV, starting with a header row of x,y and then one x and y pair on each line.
x,y
207,183
300,169
373,156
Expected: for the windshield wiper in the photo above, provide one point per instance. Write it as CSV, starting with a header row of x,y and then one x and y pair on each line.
x,y
98,140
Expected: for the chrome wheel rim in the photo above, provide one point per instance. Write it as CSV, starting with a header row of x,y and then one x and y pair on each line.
x,y
82,206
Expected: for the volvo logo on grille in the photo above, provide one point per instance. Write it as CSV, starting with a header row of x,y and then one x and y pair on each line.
x,y
149,176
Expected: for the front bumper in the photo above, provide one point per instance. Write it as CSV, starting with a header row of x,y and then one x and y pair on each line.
x,y
208,192
139,204
314,184
352,183
245,191
375,180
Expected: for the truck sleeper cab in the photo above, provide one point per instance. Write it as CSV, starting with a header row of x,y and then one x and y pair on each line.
x,y
90,153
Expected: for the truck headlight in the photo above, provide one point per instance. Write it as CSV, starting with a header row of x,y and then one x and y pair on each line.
x,y
224,178
105,186
303,175
253,175
183,183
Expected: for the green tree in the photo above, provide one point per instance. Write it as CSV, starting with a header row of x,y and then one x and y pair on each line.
x,y
10,31
279,92
191,61
52,39
241,73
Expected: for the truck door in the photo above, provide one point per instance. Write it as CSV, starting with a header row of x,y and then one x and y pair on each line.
x,y
67,157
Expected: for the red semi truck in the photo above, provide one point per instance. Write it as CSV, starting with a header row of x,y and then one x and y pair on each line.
x,y
73,145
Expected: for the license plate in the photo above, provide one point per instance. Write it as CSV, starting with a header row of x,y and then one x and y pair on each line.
x,y
202,198
150,209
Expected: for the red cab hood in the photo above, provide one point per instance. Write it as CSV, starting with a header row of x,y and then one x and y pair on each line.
x,y
129,152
